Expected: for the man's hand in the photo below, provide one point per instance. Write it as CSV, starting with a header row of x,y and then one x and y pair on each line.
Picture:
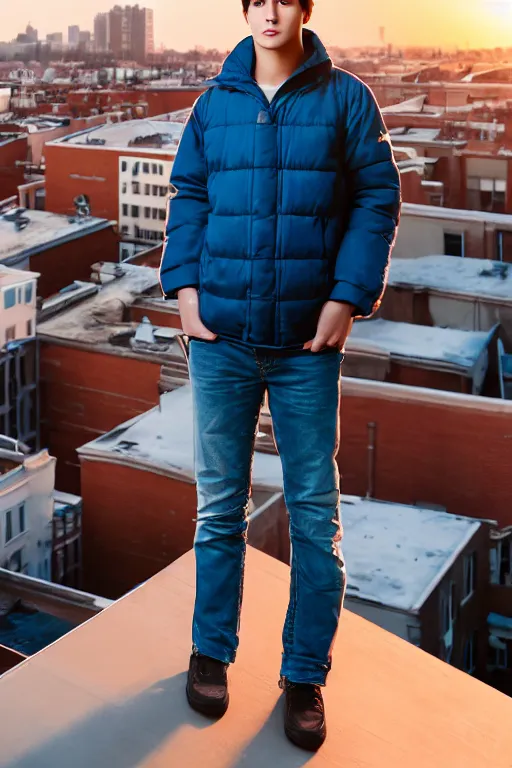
x,y
188,302
334,325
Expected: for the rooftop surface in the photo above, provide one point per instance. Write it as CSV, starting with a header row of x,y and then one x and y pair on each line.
x,y
456,214
395,553
167,128
404,341
44,231
111,693
9,276
96,318
452,274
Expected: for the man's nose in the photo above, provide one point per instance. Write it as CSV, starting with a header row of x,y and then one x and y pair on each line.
x,y
272,12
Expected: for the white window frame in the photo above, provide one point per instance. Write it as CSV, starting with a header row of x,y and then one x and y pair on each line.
x,y
447,608
469,565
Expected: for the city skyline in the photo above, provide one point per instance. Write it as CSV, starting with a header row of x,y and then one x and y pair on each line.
x,y
477,23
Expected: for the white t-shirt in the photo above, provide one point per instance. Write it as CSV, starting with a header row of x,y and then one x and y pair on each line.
x,y
270,90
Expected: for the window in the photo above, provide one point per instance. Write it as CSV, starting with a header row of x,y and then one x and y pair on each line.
x,y
155,190
469,655
447,620
154,168
155,213
136,187
10,333
498,653
21,512
124,229
486,194
469,576
161,170
145,167
454,243
147,189
29,328
163,191
147,213
28,293
124,166
9,298
124,188
135,211
161,214
125,209
8,526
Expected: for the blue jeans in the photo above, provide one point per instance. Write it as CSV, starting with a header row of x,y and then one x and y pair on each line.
x,y
228,383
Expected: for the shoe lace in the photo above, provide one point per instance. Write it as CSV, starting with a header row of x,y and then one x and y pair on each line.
x,y
306,696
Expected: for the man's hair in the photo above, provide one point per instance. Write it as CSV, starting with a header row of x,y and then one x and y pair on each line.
x,y
307,7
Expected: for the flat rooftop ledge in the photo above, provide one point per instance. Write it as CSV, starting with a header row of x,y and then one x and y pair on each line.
x,y
111,693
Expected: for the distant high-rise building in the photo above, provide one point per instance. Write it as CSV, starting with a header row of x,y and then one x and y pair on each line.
x,y
84,38
31,33
55,37
73,36
102,32
131,32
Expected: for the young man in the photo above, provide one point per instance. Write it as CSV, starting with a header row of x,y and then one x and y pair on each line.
x,y
284,207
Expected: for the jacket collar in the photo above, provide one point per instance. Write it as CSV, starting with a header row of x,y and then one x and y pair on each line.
x,y
238,67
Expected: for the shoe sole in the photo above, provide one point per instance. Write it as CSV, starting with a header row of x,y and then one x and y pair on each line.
x,y
308,740
214,708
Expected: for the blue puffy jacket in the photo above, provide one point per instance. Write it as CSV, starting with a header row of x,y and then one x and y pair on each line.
x,y
279,207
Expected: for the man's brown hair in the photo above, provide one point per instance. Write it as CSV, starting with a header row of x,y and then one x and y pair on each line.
x,y
307,7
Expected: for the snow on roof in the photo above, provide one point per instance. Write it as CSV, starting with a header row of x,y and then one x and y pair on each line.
x,y
404,341
414,134
9,276
44,231
452,274
121,135
455,214
163,438
415,104
395,553
95,319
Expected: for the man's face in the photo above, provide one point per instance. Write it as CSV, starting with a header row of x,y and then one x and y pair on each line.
x,y
284,18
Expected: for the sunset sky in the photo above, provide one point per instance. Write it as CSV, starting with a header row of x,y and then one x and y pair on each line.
x,y
182,24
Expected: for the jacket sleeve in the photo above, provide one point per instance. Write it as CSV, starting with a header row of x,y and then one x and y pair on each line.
x,y
373,190
187,212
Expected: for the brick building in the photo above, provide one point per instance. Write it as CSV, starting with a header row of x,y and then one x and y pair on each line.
x,y
139,497
59,249
95,374
152,101
124,169
423,356
13,150
450,292
428,229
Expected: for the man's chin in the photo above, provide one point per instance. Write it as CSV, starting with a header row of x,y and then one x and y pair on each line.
x,y
270,43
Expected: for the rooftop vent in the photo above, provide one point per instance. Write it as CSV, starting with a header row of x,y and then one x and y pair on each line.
x,y
18,218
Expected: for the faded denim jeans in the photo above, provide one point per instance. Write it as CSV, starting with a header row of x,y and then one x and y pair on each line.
x,y
228,383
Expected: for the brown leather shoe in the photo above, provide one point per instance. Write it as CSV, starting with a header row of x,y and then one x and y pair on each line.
x,y
207,685
304,718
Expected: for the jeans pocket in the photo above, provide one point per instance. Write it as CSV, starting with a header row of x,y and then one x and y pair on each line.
x,y
204,341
